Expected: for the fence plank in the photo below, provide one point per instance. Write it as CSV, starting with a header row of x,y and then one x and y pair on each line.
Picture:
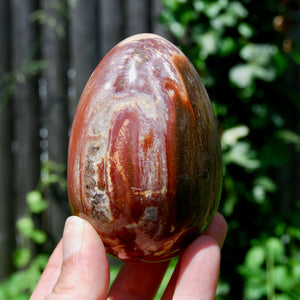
x,y
25,108
6,216
54,51
157,27
111,24
84,44
137,16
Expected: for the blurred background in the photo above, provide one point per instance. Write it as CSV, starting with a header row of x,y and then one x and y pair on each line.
x,y
248,56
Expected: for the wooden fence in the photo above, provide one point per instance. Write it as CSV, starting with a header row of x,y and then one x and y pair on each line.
x,y
48,49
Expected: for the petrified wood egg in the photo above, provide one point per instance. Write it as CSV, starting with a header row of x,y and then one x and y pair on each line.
x,y
145,163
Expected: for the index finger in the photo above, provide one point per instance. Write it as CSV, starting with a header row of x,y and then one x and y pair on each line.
x,y
196,274
217,229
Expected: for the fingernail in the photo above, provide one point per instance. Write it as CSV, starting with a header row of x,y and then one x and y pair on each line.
x,y
72,236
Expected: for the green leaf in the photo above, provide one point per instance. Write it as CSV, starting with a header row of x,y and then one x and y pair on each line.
x,y
232,135
259,194
255,288
262,185
36,203
21,257
237,9
227,46
188,16
25,226
255,258
223,289
212,9
199,5
241,155
16,284
166,278
223,20
241,75
282,278
171,4
245,30
275,248
177,29
3,292
290,137
114,270
39,236
258,53
208,42
266,183
294,232
283,297
33,276
40,261
263,73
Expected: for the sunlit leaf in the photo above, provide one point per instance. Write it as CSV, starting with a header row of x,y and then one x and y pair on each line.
x,y
166,278
266,183
171,4
232,135
40,261
208,43
39,236
242,155
275,248
241,75
35,201
223,289
213,8
290,137
255,257
21,257
259,194
177,29
199,5
263,73
223,20
25,226
283,297
245,30
282,278
255,288
258,53
238,9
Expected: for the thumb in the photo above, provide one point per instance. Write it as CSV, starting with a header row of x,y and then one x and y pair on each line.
x,y
85,269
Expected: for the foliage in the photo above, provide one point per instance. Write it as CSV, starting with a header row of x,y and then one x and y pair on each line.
x,y
28,69
243,54
272,267
29,264
52,22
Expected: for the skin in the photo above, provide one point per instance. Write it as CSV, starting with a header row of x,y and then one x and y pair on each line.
x,y
78,268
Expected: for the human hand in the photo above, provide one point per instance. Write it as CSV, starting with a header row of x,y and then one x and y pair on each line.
x,y
78,268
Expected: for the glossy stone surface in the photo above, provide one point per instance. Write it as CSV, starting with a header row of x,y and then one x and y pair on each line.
x,y
145,163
